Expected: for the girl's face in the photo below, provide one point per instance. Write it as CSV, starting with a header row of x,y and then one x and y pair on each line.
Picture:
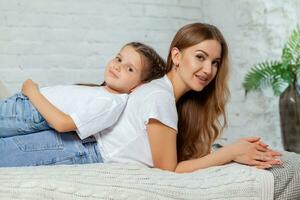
x,y
198,64
123,73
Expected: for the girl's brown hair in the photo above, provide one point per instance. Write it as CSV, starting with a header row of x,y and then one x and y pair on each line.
x,y
154,65
201,115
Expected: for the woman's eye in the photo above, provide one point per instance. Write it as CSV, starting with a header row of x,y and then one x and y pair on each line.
x,y
216,64
200,57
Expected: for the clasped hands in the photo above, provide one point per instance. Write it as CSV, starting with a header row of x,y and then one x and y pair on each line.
x,y
252,151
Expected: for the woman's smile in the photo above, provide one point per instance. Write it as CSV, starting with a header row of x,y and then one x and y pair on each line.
x,y
202,79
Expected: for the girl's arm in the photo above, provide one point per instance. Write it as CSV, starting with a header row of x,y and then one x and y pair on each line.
x,y
60,121
246,151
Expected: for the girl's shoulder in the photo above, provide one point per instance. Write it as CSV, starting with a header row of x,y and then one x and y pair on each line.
x,y
161,85
157,90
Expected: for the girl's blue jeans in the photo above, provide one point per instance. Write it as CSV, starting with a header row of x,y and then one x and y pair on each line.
x,y
47,148
18,116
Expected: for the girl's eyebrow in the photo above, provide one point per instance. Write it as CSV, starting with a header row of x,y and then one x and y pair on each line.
x,y
207,54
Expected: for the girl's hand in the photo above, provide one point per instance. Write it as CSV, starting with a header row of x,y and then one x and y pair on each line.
x,y
29,87
251,151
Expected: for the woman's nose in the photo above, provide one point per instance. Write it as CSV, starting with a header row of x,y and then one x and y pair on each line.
x,y
207,68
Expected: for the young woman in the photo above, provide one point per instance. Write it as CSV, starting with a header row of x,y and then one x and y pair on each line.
x,y
191,96
86,110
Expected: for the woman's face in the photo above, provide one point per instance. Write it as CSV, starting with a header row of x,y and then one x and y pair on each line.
x,y
198,64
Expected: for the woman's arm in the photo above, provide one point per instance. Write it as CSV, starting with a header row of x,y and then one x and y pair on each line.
x,y
162,141
246,151
60,121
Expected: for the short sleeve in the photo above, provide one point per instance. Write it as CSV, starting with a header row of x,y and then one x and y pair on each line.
x,y
97,116
162,107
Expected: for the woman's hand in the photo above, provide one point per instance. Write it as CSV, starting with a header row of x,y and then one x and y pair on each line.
x,y
251,151
29,87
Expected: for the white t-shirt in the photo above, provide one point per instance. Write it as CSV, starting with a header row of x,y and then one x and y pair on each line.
x,y
127,140
92,108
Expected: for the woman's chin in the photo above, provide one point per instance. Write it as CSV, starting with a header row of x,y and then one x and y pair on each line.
x,y
198,87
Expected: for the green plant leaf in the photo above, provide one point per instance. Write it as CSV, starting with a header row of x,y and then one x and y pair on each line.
x,y
277,74
291,51
264,75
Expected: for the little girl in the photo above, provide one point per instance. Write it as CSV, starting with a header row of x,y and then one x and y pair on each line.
x,y
86,110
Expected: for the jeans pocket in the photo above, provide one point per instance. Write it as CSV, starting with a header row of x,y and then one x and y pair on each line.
x,y
61,161
44,140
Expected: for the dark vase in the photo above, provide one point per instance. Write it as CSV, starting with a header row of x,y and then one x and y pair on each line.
x,y
289,106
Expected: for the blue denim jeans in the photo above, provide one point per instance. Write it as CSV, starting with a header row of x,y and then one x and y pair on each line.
x,y
18,116
47,148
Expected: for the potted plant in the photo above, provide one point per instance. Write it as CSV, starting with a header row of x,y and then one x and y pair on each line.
x,y
282,76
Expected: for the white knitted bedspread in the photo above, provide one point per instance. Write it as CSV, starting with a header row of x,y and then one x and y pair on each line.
x,y
115,181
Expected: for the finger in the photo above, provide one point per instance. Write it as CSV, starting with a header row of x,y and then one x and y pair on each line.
x,y
274,162
252,139
256,163
262,144
260,164
261,148
263,166
274,153
263,157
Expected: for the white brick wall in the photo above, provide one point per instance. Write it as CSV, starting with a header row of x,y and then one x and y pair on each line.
x,y
256,31
68,41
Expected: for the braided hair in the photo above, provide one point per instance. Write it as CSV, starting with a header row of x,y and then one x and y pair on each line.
x,y
154,65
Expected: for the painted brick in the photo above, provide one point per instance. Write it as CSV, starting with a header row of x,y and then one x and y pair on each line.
x,y
70,41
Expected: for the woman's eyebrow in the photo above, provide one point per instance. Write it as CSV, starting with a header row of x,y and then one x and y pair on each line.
x,y
202,52
207,54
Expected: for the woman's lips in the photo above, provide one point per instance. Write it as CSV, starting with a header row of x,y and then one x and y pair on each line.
x,y
202,79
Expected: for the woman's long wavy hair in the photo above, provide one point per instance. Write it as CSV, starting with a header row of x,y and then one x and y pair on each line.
x,y
201,115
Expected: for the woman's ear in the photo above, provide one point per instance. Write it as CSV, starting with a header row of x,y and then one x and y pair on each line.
x,y
175,56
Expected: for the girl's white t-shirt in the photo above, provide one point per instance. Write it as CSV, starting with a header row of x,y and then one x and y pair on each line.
x,y
127,140
92,109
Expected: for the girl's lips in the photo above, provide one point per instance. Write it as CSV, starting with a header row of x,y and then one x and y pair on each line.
x,y
113,73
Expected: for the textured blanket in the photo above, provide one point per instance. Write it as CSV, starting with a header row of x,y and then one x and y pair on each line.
x,y
287,177
115,181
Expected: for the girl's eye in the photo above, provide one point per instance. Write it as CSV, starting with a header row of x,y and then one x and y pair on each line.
x,y
118,59
200,57
130,69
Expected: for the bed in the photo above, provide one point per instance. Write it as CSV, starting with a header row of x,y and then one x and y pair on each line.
x,y
120,181
116,181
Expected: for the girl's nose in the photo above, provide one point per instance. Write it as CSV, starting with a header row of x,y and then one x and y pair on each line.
x,y
117,67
